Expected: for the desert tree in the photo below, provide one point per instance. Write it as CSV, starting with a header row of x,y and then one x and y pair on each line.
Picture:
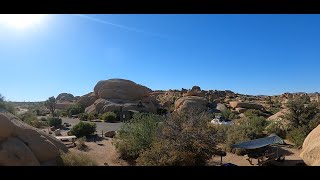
x,y
51,105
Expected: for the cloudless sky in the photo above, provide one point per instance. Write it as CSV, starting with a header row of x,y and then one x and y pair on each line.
x,y
249,54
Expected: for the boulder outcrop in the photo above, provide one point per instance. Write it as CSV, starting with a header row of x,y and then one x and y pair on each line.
x,y
24,145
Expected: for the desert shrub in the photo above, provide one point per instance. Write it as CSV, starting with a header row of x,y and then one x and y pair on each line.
x,y
274,110
91,116
249,129
39,124
30,118
183,140
83,116
56,122
43,119
8,106
253,113
83,129
74,109
64,113
278,127
81,145
136,135
76,159
297,135
27,117
301,111
227,114
87,116
220,131
109,116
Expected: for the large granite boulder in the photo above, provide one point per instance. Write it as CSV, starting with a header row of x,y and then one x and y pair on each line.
x,y
65,97
87,99
24,145
191,103
247,105
119,95
120,89
311,148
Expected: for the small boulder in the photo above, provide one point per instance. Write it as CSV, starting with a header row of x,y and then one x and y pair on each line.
x,y
110,134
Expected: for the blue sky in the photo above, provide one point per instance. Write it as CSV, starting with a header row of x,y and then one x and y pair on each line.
x,y
250,54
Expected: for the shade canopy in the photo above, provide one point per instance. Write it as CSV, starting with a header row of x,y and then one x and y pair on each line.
x,y
259,143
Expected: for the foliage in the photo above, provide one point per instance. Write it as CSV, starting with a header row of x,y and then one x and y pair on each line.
x,y
87,116
227,114
183,140
81,143
109,116
253,113
248,129
43,119
30,118
51,105
136,135
7,105
83,129
74,109
297,135
76,159
278,127
301,111
56,122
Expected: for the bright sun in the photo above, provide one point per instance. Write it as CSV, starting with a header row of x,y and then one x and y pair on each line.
x,y
21,21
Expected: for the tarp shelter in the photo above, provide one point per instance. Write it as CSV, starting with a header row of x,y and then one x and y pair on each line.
x,y
259,143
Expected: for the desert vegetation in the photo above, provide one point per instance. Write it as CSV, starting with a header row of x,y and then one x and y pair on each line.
x,y
83,129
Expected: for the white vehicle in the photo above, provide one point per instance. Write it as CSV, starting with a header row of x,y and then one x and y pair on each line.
x,y
220,121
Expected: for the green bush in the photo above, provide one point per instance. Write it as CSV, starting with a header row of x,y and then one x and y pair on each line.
x,y
83,116
64,113
83,129
8,106
277,127
91,116
39,124
56,122
86,116
76,159
227,114
136,135
183,140
301,111
253,113
43,119
298,135
249,129
109,116
74,109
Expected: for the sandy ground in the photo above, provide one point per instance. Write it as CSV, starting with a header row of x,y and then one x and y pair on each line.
x,y
103,152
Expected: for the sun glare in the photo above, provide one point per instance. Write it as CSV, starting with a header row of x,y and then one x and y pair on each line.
x,y
21,21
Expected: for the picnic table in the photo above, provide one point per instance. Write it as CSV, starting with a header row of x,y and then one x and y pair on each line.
x,y
72,138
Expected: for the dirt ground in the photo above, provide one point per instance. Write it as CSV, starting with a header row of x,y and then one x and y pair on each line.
x,y
103,152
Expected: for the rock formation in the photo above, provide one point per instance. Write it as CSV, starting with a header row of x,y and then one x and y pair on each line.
x,y
311,148
65,97
24,145
246,105
119,95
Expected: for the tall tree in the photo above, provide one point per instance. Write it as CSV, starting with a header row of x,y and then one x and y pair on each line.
x,y
2,103
302,111
51,105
